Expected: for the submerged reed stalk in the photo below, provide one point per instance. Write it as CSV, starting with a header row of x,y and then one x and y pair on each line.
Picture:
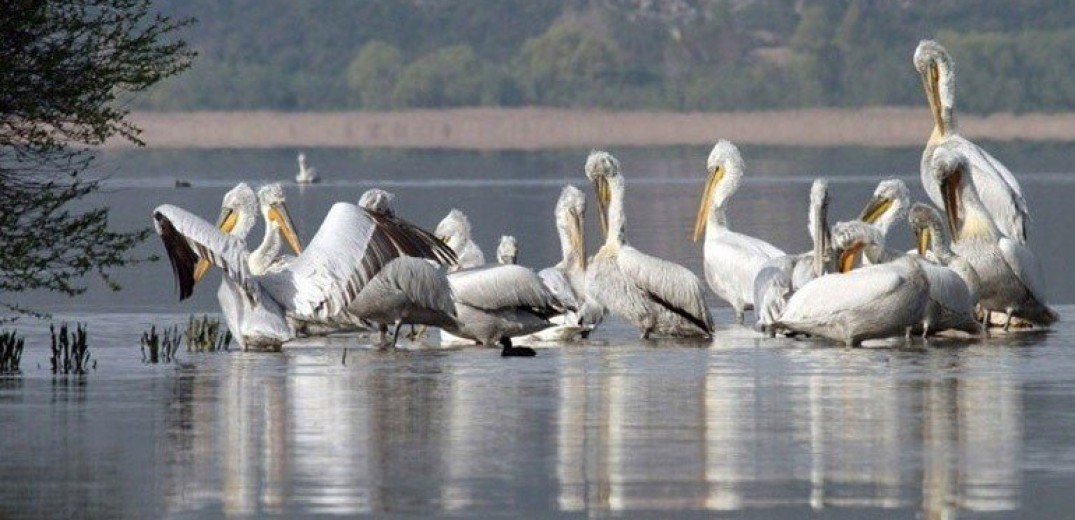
x,y
10,351
70,350
206,335
157,348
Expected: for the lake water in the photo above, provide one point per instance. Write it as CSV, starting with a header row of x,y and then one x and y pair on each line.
x,y
740,426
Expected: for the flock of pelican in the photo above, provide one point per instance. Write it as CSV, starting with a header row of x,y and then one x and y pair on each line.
x,y
368,268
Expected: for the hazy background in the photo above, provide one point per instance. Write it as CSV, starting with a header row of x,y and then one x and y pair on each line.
x,y
631,54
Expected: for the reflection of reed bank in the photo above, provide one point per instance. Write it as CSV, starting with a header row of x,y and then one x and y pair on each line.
x,y
607,429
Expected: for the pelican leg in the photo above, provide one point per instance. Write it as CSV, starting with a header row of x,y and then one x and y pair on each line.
x,y
382,335
395,334
417,335
740,316
510,351
1008,319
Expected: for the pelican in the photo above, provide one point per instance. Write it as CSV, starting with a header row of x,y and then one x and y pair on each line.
x,y
497,302
348,250
732,260
780,277
409,289
953,283
876,301
268,255
998,190
567,279
455,231
888,205
508,250
655,295
306,175
1011,277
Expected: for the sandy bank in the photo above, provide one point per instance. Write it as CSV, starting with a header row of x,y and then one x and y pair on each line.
x,y
542,128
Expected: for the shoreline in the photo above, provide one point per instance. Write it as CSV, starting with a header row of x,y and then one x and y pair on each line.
x,y
553,128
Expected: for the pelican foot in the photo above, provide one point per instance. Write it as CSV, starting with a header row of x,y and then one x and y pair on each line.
x,y
510,351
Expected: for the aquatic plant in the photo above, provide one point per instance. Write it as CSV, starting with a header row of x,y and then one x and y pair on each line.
x,y
70,350
10,351
206,335
157,348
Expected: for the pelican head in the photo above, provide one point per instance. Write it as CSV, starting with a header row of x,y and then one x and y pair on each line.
x,y
819,226
274,210
725,168
302,158
937,70
603,170
508,250
850,238
949,169
454,230
889,203
377,201
570,221
927,224
238,213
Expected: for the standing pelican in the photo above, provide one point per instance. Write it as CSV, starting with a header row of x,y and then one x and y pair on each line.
x,y
888,206
657,296
876,301
780,277
998,190
1011,277
508,250
497,302
306,175
348,250
567,279
953,283
732,260
408,289
455,231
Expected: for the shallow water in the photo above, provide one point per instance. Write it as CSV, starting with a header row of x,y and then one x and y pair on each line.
x,y
743,426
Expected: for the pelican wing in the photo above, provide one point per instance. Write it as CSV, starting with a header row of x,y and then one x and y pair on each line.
x,y
1025,265
188,238
503,286
670,285
947,288
831,295
411,240
348,250
422,284
996,187
557,283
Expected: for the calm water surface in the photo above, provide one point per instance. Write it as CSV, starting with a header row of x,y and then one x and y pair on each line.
x,y
741,426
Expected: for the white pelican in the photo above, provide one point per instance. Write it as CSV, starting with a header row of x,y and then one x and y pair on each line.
x,y
507,251
953,283
455,231
655,295
732,260
409,289
567,279
998,190
781,276
876,301
306,175
888,206
1011,277
348,250
268,255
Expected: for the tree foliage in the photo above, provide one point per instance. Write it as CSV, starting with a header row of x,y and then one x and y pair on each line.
x,y
674,54
66,76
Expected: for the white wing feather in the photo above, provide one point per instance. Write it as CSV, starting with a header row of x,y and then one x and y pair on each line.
x,y
672,283
833,294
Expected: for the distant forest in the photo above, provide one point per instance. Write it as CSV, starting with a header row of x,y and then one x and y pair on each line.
x,y
624,54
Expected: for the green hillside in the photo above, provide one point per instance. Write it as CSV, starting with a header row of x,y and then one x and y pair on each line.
x,y
672,54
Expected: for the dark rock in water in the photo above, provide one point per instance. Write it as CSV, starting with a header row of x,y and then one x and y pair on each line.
x,y
180,183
